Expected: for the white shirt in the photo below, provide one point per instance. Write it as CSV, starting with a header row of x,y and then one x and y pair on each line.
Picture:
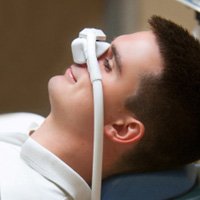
x,y
29,171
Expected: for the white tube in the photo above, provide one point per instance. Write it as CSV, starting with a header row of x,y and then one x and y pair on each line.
x,y
95,76
98,141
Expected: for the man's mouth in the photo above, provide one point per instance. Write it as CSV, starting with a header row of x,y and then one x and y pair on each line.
x,y
71,75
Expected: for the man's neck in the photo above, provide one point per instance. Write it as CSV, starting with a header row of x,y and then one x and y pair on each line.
x,y
68,146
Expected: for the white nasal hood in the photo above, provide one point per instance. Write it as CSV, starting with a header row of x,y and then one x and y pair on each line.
x,y
79,49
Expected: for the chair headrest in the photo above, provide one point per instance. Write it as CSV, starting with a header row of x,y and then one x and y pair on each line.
x,y
151,186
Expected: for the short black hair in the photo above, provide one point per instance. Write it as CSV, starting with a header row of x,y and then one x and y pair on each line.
x,y
169,105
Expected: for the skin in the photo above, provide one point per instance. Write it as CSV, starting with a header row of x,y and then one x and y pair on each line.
x,y
68,130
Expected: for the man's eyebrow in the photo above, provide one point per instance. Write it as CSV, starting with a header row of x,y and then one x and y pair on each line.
x,y
117,58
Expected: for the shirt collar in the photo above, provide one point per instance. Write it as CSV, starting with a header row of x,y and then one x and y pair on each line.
x,y
54,169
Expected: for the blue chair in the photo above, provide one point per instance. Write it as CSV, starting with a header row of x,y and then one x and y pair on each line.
x,y
151,186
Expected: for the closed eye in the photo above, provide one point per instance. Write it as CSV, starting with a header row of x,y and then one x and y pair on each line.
x,y
107,65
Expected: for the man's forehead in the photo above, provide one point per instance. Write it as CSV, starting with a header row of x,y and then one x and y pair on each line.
x,y
136,35
143,47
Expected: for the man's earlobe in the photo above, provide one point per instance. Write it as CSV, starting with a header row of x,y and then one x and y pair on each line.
x,y
127,131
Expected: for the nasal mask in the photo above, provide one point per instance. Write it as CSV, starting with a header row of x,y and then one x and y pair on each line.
x,y
86,49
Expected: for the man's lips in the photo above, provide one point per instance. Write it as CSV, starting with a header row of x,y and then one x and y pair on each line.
x,y
70,75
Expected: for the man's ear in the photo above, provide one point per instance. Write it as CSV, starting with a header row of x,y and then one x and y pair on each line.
x,y
127,130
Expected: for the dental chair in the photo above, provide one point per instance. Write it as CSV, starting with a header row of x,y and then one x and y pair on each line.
x,y
178,184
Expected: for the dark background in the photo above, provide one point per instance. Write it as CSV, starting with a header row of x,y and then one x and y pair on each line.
x,y
35,39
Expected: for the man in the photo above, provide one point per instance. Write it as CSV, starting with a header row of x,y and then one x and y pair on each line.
x,y
151,84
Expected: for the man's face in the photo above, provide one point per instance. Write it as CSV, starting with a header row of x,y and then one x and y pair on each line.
x,y
122,66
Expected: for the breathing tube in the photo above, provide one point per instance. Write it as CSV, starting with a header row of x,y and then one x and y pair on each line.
x,y
86,49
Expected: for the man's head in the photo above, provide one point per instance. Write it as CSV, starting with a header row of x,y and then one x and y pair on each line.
x,y
121,68
151,92
129,58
